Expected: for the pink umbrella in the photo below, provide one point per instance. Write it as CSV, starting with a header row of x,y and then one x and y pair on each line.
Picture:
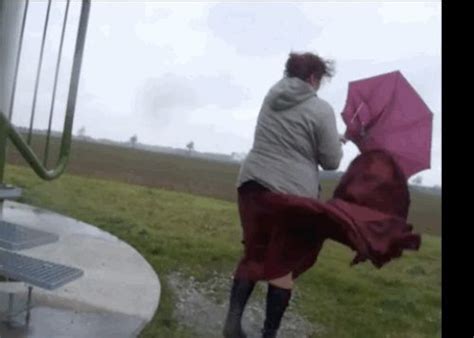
x,y
385,112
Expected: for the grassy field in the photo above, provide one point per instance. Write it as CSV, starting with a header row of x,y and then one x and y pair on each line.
x,y
195,176
121,191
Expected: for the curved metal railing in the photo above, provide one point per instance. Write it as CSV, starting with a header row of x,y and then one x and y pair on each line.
x,y
8,130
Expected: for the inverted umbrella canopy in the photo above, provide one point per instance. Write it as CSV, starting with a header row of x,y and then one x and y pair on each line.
x,y
385,112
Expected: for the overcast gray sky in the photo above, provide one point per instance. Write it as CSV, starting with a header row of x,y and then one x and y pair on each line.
x,y
176,72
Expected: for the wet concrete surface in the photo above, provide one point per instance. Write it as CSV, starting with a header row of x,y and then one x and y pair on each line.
x,y
50,322
117,295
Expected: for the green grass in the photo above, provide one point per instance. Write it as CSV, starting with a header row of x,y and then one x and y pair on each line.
x,y
198,235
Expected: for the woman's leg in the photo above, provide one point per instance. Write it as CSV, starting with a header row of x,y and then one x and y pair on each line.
x,y
278,298
285,282
243,285
240,293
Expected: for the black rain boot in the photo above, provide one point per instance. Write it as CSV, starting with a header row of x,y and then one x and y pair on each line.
x,y
277,302
240,293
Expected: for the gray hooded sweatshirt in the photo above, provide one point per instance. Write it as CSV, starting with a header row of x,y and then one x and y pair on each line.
x,y
296,133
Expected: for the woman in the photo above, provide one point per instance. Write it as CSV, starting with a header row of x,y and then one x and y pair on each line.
x,y
296,133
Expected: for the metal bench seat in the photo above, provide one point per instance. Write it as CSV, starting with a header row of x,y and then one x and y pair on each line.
x,y
33,272
37,272
18,237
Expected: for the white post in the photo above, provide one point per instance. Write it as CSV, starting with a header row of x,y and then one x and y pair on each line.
x,y
10,25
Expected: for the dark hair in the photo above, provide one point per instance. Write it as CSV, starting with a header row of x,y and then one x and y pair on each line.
x,y
305,64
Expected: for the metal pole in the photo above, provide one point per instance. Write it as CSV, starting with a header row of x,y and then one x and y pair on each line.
x,y
74,83
17,61
10,23
56,76
38,73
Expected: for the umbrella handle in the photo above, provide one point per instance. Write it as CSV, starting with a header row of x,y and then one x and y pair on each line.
x,y
357,112
356,115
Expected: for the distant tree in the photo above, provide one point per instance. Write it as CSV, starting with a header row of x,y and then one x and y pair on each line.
x,y
81,132
133,140
418,180
190,146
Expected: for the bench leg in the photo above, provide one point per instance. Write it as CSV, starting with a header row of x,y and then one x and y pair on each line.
x,y
11,299
11,314
28,305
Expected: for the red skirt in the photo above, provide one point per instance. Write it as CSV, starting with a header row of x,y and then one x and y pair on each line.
x,y
284,233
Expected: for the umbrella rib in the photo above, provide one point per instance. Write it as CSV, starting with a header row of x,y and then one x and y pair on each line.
x,y
410,124
397,152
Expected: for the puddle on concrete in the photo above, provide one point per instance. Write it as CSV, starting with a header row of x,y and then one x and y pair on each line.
x,y
62,322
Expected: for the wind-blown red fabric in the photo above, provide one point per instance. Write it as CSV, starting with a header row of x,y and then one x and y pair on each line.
x,y
368,213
